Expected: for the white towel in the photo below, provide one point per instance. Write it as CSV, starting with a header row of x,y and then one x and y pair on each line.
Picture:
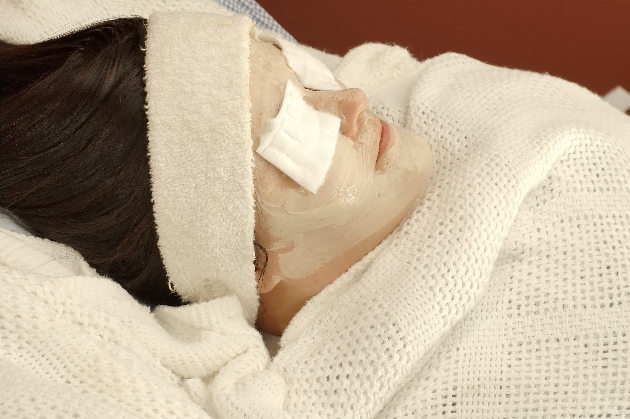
x,y
200,148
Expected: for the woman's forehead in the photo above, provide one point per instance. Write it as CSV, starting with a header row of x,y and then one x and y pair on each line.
x,y
268,59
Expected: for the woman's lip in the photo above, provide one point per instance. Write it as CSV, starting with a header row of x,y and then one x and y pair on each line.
x,y
385,141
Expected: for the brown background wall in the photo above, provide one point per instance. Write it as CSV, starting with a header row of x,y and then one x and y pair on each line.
x,y
585,41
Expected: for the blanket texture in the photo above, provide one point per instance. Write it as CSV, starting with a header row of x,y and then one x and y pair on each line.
x,y
505,292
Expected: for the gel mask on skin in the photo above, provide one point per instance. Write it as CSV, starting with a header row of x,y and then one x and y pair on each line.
x,y
300,141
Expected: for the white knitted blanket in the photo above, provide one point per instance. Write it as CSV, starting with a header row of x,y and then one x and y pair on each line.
x,y
504,293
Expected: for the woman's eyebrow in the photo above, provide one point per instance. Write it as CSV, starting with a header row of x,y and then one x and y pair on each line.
x,y
297,80
293,71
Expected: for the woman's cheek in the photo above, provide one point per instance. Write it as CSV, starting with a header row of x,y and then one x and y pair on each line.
x,y
343,199
344,182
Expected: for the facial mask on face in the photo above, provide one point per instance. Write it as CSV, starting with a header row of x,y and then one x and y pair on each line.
x,y
300,141
311,72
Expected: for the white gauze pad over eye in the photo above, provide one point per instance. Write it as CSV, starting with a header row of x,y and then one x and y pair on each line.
x,y
312,73
301,140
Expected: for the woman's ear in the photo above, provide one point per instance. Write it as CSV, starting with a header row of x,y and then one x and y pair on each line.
x,y
265,283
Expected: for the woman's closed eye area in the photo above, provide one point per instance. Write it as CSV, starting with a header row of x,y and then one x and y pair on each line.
x,y
300,140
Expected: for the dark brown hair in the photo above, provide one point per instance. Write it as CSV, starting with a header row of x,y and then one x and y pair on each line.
x,y
73,151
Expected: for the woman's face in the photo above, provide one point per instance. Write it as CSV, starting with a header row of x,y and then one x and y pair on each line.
x,y
363,197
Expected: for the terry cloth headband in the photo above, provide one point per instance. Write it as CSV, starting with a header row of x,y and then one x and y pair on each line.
x,y
200,153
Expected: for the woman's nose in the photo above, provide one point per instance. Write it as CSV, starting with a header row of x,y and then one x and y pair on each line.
x,y
347,104
351,104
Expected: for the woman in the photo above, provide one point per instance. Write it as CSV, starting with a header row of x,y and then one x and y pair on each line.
x,y
453,314
361,199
